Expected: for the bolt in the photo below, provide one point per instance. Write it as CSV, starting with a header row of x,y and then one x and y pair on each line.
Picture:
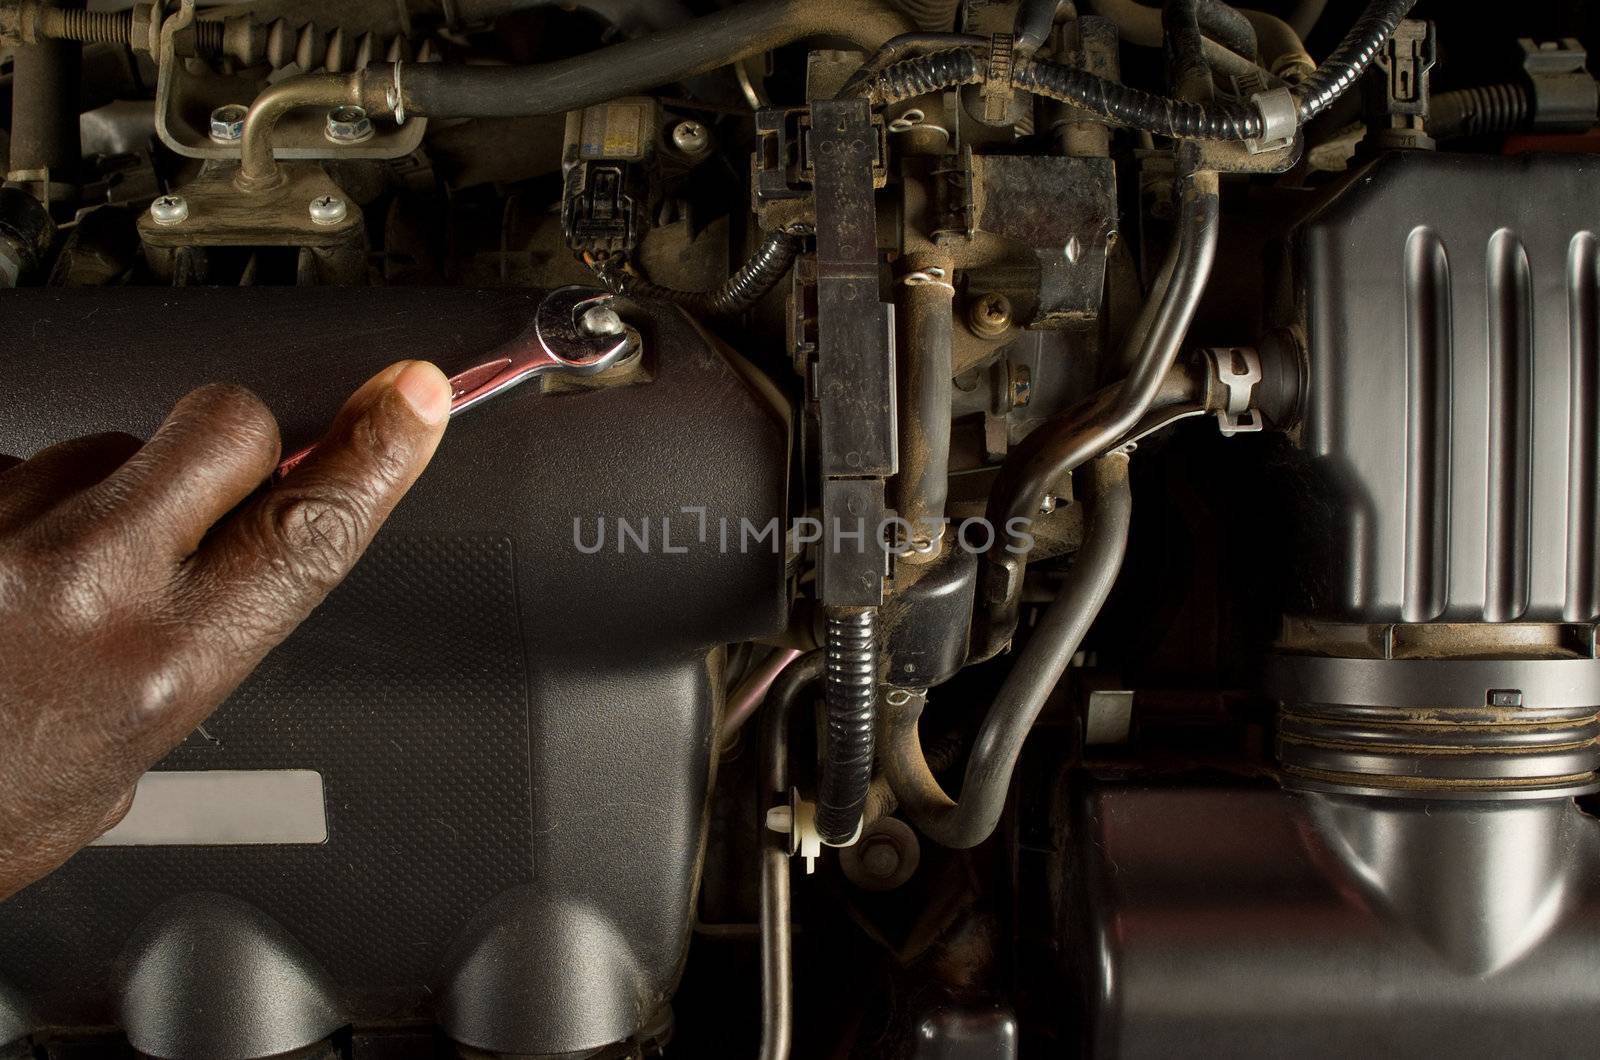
x,y
1047,505
227,123
990,316
880,856
1021,385
348,125
691,137
328,210
169,210
600,320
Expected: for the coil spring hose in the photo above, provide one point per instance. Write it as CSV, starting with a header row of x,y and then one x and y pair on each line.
x,y
850,692
1132,107
742,290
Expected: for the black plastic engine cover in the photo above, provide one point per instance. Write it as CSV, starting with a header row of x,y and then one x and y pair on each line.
x,y
1452,307
514,735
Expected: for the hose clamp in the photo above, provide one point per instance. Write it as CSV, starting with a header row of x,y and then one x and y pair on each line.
x,y
396,98
1280,120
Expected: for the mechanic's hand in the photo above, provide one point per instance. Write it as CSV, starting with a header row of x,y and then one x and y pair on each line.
x,y
140,584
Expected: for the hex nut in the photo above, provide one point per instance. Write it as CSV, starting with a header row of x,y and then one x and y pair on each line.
x,y
328,210
169,210
227,123
348,125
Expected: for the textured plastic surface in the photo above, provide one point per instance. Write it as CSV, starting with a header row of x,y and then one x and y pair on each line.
x,y
515,735
1244,922
1453,313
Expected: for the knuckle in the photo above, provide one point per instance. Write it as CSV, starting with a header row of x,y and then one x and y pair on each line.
x,y
232,415
322,535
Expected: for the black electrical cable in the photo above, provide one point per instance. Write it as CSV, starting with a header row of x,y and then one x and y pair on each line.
x,y
1337,74
851,694
742,290
1162,115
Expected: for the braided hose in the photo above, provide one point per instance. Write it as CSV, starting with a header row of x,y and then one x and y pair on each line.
x,y
927,73
851,692
1118,103
742,290
1340,71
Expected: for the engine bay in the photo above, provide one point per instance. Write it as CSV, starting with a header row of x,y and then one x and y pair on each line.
x,y
1041,529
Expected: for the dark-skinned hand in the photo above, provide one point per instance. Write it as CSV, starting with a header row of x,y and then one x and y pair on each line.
x,y
141,583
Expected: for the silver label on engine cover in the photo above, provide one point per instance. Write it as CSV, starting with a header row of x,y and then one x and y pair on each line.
x,y
227,807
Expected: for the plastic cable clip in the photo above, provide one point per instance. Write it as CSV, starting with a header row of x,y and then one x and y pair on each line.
x,y
1280,120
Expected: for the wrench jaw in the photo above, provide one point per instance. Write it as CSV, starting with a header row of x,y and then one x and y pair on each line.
x,y
581,332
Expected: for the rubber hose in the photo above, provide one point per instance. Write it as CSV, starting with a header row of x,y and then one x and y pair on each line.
x,y
933,16
1027,686
1035,20
744,288
1141,26
851,692
1188,73
1479,111
923,479
1305,16
697,46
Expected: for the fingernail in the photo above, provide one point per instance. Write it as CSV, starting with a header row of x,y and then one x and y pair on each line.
x,y
426,390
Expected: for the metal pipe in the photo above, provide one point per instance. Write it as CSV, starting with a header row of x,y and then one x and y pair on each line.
x,y
696,47
1033,676
752,691
258,169
777,963
1047,455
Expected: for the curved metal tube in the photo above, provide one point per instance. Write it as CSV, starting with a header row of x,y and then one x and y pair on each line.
x,y
695,47
777,964
1037,669
1051,452
752,691
258,170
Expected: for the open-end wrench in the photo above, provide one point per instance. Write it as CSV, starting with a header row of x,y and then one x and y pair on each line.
x,y
575,331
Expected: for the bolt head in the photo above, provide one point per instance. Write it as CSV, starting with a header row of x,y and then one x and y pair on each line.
x,y
169,210
990,316
227,123
348,125
691,137
328,210
601,320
